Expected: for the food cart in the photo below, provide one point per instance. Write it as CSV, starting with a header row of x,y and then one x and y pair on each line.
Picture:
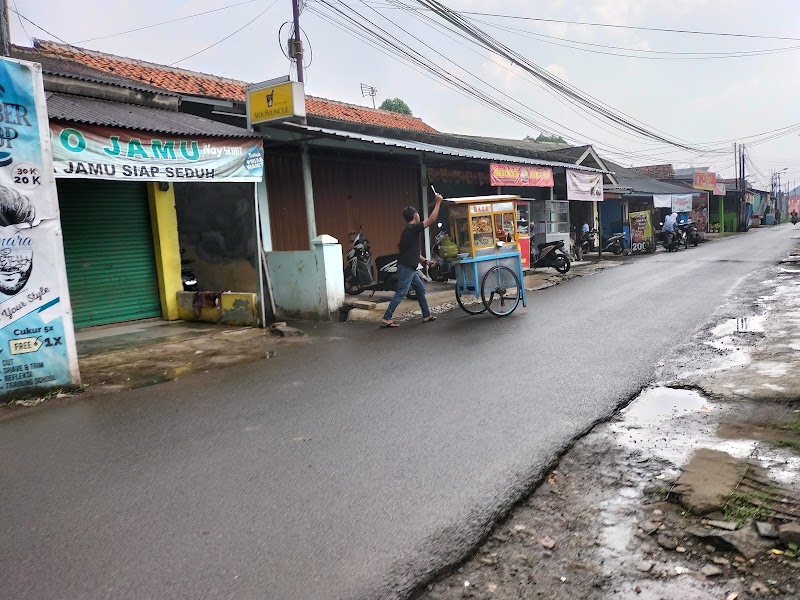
x,y
489,268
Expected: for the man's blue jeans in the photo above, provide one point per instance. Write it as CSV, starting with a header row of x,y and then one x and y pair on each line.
x,y
408,278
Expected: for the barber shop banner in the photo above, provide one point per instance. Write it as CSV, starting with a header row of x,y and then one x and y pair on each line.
x,y
37,341
93,152
583,186
520,175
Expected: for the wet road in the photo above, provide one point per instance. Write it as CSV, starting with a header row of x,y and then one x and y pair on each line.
x,y
344,469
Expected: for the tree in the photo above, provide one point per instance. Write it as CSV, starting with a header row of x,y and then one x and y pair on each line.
x,y
396,105
556,139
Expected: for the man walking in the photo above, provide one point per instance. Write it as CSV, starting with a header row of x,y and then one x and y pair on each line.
x,y
408,260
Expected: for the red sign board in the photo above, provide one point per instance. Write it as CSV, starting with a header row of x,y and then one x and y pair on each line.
x,y
705,180
520,175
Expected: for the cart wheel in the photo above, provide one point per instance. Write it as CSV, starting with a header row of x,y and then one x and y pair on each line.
x,y
470,303
562,264
501,291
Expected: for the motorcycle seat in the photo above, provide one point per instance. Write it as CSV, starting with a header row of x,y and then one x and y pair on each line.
x,y
559,243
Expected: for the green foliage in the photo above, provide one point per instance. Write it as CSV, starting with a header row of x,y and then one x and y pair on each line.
x,y
741,509
793,444
396,105
556,139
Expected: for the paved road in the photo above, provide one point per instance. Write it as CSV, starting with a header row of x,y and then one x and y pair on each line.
x,y
346,469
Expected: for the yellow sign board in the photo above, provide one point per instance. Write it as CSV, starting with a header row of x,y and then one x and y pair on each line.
x,y
267,103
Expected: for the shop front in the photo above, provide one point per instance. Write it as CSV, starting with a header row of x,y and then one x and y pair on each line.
x,y
122,234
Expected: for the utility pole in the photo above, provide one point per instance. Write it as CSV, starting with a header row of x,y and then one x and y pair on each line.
x,y
5,32
305,159
297,42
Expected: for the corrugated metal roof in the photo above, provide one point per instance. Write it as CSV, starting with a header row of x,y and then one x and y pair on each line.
x,y
435,148
639,183
91,111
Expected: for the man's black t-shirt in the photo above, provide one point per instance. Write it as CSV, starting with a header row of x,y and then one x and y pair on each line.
x,y
409,244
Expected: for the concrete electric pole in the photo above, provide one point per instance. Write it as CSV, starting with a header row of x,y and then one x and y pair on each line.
x,y
5,30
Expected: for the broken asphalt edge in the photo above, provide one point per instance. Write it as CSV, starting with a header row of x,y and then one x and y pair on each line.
x,y
453,547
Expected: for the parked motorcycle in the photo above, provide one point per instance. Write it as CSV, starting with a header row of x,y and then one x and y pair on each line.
x,y
672,240
691,235
551,254
188,277
614,243
444,254
358,274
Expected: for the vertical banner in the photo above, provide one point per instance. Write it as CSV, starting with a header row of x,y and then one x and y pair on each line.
x,y
37,341
641,231
583,186
700,208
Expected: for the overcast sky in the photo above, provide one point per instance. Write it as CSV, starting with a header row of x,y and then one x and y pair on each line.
x,y
699,100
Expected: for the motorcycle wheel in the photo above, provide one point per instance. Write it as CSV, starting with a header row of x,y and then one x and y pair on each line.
x,y
435,273
412,294
351,285
562,264
694,242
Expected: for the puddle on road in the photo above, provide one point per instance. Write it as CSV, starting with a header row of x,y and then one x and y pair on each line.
x,y
671,423
740,325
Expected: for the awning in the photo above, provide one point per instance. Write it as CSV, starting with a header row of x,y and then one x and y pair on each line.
x,y
325,137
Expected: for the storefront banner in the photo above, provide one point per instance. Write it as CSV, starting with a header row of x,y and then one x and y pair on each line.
x,y
681,203
586,187
794,204
641,230
662,200
94,152
520,175
705,180
37,341
700,208
719,189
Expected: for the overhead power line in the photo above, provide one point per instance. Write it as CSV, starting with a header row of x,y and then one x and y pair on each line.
x,y
39,27
159,24
227,37
616,26
639,54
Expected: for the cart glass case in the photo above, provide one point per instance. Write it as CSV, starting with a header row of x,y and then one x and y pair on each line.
x,y
479,225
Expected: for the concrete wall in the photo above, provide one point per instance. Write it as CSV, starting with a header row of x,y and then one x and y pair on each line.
x,y
308,284
217,230
228,308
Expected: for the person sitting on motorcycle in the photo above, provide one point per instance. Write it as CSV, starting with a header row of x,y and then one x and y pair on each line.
x,y
794,217
669,228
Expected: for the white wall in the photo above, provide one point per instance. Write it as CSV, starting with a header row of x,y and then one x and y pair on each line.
x,y
308,284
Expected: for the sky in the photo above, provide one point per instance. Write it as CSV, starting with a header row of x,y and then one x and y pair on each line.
x,y
668,82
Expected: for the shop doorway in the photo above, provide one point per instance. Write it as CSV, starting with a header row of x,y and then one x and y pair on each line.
x,y
108,246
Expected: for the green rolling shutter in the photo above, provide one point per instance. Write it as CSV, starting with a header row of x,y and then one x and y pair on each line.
x,y
108,245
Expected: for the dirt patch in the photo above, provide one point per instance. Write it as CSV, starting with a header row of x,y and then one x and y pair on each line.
x,y
159,362
608,523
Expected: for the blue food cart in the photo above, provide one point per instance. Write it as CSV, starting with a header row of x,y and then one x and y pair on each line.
x,y
489,268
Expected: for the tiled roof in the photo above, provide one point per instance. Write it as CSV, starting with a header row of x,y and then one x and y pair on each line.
x,y
656,171
201,84
65,67
330,109
91,111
